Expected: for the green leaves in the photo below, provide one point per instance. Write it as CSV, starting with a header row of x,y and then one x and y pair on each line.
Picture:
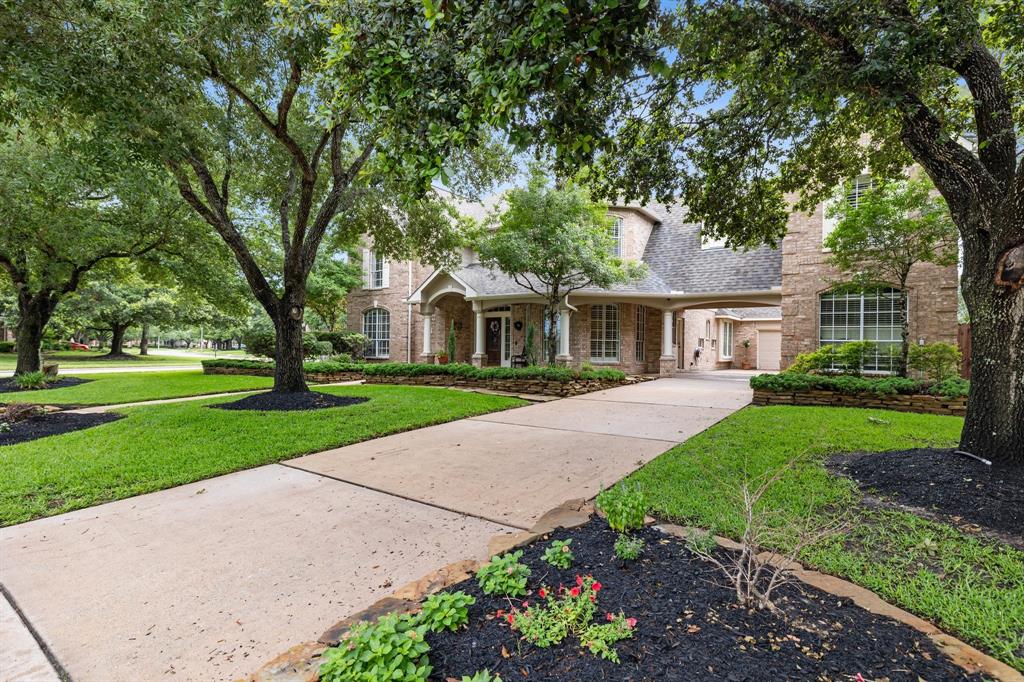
x,y
392,648
446,611
560,554
504,575
624,506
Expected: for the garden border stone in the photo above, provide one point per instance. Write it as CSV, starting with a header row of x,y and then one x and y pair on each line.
x,y
301,663
921,403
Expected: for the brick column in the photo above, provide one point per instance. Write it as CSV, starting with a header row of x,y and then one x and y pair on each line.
x,y
479,356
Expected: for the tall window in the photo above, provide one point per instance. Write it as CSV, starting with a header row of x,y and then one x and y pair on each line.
x,y
858,188
725,350
377,269
864,316
604,333
377,329
641,333
616,232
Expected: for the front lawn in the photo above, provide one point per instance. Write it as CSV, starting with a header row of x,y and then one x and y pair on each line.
x,y
967,586
161,446
95,358
127,387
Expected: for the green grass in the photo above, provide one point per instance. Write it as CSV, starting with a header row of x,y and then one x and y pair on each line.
x,y
94,358
971,588
127,387
161,446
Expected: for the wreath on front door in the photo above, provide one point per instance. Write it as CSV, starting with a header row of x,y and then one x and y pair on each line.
x,y
495,326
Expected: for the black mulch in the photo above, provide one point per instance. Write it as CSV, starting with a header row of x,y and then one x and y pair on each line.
x,y
951,486
273,402
8,385
53,424
688,627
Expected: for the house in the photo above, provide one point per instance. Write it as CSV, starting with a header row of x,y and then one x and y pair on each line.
x,y
701,306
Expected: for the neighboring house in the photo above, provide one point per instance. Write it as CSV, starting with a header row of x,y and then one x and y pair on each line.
x,y
701,305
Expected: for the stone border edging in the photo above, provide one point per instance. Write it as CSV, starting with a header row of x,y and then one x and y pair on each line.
x,y
301,663
923,403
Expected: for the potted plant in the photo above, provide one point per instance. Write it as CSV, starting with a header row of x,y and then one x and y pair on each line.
x,y
746,363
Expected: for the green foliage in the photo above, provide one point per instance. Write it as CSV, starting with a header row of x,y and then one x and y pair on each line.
x,y
953,387
504,575
352,343
30,380
560,554
624,505
6,346
481,676
531,348
852,355
392,648
937,361
851,385
542,626
599,639
327,290
446,611
700,542
264,343
451,342
820,360
628,547
553,241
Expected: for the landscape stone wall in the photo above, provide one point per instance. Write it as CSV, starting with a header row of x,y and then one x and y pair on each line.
x,y
928,404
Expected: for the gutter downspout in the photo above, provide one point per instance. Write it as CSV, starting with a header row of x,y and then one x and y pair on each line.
x,y
408,326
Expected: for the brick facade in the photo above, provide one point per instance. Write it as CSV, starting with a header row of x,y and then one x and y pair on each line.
x,y
806,274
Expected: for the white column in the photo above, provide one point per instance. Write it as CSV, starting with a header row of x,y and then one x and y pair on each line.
x,y
426,333
478,338
667,350
563,339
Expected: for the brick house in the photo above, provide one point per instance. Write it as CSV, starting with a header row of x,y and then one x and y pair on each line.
x,y
701,305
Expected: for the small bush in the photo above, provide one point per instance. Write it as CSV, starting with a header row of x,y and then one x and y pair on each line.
x,y
504,575
786,382
344,358
6,346
598,639
264,344
937,361
953,387
625,507
351,343
700,541
482,676
853,355
559,554
392,648
628,548
446,611
316,349
30,380
817,361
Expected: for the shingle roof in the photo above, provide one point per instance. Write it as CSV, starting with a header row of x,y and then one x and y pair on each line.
x,y
674,252
769,313
496,283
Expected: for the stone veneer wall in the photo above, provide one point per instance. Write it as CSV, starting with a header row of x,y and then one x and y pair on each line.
x,y
929,404
806,274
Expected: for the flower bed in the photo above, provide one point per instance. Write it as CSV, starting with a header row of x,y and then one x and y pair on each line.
x,y
556,381
889,393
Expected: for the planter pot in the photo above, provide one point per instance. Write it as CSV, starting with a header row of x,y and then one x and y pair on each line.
x,y
442,359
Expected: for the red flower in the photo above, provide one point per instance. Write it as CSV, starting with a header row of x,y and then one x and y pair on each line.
x,y
596,587
609,616
593,597
542,592
526,604
575,591
631,622
510,618
579,581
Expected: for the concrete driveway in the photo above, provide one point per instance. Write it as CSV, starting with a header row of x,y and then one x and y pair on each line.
x,y
209,580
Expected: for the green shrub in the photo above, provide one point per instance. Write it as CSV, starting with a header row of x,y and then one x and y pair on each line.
x,y
446,611
451,342
530,349
504,575
317,349
953,387
352,343
937,361
853,355
625,507
6,346
628,548
481,676
264,343
239,364
786,382
392,648
559,554
598,639
820,360
701,541
30,380
344,358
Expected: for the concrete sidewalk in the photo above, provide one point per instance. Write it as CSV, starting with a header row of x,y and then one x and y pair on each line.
x,y
208,580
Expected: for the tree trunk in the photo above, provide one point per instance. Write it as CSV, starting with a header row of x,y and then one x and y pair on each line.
x,y
288,373
32,320
904,329
144,340
117,339
994,427
551,340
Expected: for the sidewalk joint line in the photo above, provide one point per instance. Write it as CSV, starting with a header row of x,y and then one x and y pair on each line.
x,y
483,418
51,658
635,402
400,496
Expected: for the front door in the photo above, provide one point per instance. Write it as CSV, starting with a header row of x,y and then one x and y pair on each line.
x,y
497,342
678,341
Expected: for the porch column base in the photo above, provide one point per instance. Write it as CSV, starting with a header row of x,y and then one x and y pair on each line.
x,y
479,359
427,358
563,360
667,364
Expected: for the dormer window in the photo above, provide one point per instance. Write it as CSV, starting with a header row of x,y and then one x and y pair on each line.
x,y
616,232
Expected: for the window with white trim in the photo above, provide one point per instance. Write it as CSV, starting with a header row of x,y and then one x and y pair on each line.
x,y
855,191
864,316
377,271
725,334
377,330
616,233
604,333
640,337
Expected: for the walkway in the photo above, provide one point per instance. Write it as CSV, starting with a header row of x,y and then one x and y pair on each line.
x,y
208,580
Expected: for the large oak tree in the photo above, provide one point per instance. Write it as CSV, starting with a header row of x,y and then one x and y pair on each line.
x,y
760,100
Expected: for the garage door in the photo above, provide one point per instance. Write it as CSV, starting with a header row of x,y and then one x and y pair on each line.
x,y
769,350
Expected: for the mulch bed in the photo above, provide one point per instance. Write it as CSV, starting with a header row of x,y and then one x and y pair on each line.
x,y
8,385
689,627
275,402
53,424
948,486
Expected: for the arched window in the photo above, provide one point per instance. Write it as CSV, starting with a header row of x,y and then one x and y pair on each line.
x,y
872,315
377,329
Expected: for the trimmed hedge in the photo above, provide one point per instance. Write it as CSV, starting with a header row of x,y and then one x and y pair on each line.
x,y
6,346
852,385
563,374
